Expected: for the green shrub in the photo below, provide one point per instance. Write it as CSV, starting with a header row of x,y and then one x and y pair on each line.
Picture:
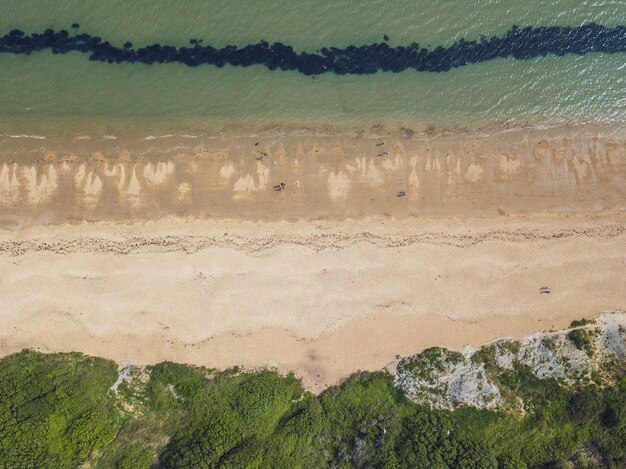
x,y
226,411
55,410
510,462
580,338
584,404
138,456
581,322
430,440
364,417
186,380
298,440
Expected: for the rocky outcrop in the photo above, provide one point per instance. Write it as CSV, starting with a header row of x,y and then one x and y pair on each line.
x,y
588,352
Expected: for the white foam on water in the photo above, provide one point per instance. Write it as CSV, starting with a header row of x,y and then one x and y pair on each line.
x,y
38,137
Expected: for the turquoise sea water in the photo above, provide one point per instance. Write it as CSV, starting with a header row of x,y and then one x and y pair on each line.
x,y
43,92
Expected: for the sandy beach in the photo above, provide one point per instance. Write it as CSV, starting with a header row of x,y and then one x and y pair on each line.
x,y
378,245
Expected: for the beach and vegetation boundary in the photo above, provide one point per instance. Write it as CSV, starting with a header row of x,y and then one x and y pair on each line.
x,y
69,410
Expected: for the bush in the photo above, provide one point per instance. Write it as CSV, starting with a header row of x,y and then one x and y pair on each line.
x,y
581,322
138,456
227,411
364,417
509,462
580,338
430,440
186,380
55,410
299,439
584,404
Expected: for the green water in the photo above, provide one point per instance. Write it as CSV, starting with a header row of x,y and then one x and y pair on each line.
x,y
43,92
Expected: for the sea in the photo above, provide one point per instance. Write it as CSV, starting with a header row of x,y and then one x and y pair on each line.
x,y
43,93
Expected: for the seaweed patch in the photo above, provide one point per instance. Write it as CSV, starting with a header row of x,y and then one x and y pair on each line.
x,y
518,43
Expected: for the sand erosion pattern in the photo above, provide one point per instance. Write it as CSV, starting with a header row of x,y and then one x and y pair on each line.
x,y
518,43
316,178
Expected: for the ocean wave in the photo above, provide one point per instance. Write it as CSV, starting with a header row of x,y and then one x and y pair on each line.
x,y
36,137
154,137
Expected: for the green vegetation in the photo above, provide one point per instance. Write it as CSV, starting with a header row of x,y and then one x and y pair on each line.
x,y
581,322
60,411
55,410
427,364
581,339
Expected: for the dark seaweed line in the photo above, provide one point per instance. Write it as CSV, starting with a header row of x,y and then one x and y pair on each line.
x,y
518,43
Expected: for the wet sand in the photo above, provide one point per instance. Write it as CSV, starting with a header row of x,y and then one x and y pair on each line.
x,y
150,251
334,176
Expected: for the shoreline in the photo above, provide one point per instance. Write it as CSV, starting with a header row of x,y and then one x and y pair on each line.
x,y
114,132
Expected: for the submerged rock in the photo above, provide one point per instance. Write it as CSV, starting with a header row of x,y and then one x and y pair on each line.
x,y
518,43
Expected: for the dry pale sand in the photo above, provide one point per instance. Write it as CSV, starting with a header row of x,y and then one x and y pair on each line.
x,y
192,256
321,299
